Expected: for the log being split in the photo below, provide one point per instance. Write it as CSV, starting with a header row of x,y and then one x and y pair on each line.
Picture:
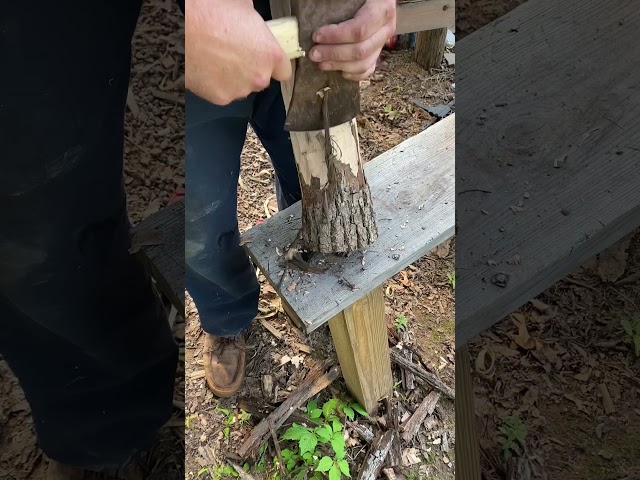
x,y
337,210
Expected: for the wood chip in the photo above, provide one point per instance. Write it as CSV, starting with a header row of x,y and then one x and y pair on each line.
x,y
427,407
273,330
375,458
607,403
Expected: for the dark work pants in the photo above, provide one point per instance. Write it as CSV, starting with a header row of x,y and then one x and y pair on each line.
x,y
219,275
80,324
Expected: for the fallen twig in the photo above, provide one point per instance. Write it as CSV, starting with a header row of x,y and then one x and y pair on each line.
x,y
421,373
363,432
263,411
241,473
274,437
315,382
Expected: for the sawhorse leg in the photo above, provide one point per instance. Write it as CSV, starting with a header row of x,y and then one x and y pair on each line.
x,y
467,445
360,336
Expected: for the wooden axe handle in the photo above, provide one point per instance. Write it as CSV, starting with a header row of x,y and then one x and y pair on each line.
x,y
285,30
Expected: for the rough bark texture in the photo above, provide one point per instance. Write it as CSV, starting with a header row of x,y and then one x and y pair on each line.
x,y
430,48
337,211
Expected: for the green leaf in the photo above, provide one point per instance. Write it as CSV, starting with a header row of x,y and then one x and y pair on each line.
x,y
246,467
324,433
344,468
308,443
315,413
312,405
291,464
329,407
295,432
358,408
338,445
300,475
325,464
349,413
337,426
308,458
226,432
224,411
286,454
334,473
628,328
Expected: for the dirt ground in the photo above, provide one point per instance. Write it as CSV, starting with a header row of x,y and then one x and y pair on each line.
x,y
423,294
557,384
565,380
154,170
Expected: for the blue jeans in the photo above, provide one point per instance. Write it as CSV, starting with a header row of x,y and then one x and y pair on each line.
x,y
80,324
218,273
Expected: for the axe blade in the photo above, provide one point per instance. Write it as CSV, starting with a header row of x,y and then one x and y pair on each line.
x,y
305,108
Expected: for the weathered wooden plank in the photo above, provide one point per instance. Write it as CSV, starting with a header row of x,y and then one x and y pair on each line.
x,y
359,334
413,196
165,260
548,124
420,15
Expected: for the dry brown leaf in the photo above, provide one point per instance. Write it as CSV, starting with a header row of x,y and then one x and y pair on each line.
x,y
584,375
523,339
539,305
613,261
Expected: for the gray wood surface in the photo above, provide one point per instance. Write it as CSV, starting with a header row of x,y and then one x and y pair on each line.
x,y
548,123
413,197
420,15
165,260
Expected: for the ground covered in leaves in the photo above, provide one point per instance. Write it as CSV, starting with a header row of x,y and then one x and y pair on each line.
x,y
154,171
557,384
420,317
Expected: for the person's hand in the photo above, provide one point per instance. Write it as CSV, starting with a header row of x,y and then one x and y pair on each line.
x,y
230,51
353,46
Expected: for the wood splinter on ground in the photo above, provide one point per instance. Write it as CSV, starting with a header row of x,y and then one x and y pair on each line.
x,y
316,381
375,458
411,426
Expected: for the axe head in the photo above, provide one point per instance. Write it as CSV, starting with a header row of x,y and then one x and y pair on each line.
x,y
305,109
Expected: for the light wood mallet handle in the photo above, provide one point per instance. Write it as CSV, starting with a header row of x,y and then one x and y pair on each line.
x,y
285,30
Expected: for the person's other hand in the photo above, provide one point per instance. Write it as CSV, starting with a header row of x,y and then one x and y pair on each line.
x,y
230,51
353,46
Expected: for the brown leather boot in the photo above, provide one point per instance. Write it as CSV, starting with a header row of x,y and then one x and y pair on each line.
x,y
60,471
224,364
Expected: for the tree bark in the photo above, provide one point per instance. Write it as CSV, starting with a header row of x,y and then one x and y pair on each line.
x,y
337,211
430,48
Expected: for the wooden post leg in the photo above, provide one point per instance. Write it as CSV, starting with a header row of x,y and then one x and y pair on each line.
x,y
430,48
360,336
467,447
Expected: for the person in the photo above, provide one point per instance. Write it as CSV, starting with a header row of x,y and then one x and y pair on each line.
x,y
81,325
233,69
